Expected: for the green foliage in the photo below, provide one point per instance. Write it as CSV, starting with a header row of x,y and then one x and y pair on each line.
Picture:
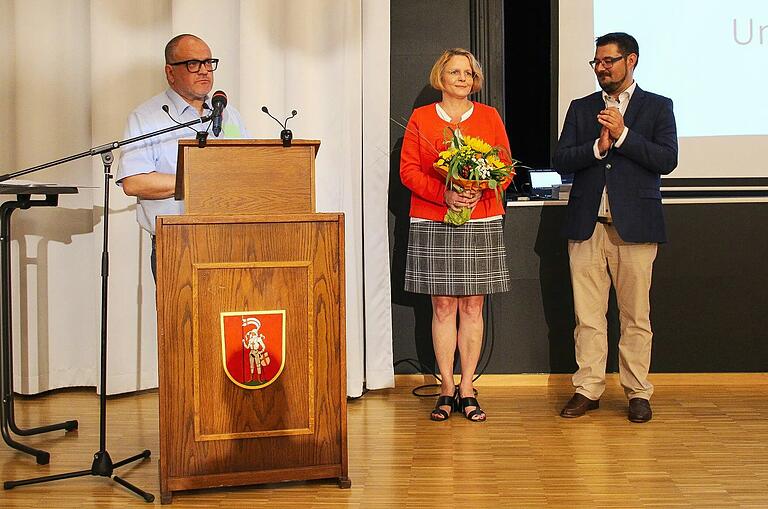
x,y
457,218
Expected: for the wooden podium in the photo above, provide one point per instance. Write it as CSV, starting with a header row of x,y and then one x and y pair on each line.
x,y
247,177
227,277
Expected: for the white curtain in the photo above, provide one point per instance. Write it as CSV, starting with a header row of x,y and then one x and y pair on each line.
x,y
76,68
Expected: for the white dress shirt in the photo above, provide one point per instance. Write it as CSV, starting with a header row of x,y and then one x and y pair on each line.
x,y
621,102
158,154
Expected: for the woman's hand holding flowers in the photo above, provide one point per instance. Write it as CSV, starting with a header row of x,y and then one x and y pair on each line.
x,y
457,200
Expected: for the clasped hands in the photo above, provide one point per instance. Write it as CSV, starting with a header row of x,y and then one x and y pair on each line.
x,y
612,123
457,200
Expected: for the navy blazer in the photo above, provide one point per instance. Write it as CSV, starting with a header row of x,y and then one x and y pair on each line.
x,y
632,172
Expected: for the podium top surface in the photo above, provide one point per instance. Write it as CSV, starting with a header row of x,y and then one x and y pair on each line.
x,y
243,142
10,187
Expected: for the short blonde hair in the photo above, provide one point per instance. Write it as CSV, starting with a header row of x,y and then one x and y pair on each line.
x,y
436,75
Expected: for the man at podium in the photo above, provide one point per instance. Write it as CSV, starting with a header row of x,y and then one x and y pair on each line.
x,y
147,169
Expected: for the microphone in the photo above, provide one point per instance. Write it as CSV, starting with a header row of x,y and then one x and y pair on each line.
x,y
286,135
202,136
265,110
293,114
219,102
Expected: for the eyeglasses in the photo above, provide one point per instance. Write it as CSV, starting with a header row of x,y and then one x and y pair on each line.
x,y
456,73
194,65
607,62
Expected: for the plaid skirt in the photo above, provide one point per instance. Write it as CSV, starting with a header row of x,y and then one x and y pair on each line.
x,y
456,260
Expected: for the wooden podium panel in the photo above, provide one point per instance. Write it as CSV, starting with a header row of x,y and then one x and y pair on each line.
x,y
247,177
214,432
247,286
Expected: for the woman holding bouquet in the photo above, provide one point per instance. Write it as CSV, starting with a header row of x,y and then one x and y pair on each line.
x,y
456,265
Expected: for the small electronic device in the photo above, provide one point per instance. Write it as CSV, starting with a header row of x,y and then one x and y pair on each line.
x,y
542,182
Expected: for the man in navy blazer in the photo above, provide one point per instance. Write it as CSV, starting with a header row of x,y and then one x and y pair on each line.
x,y
617,143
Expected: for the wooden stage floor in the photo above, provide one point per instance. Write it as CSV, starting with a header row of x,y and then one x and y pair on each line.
x,y
707,446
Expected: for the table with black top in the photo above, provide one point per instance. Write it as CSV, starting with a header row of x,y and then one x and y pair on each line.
x,y
26,196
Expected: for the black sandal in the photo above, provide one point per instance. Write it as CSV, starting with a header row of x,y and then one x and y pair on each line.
x,y
437,413
470,401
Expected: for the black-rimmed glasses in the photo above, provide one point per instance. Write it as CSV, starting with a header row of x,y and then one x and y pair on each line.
x,y
607,61
194,65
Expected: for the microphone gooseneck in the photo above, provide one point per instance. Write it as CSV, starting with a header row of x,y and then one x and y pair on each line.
x,y
167,112
286,135
293,114
201,136
265,110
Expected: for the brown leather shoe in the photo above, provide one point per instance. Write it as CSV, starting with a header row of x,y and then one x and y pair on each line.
x,y
639,410
578,405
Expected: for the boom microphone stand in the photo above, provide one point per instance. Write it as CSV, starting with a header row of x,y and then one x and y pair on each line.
x,y
102,463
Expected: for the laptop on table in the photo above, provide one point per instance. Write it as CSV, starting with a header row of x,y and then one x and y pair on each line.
x,y
542,183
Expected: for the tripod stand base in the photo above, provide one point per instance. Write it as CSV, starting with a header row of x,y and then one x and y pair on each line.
x,y
102,466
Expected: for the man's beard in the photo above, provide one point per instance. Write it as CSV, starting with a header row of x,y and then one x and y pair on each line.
x,y
609,87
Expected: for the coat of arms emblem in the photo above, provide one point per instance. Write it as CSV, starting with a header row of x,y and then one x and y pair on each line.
x,y
253,347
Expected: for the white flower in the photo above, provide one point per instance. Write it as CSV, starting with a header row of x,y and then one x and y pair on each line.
x,y
484,170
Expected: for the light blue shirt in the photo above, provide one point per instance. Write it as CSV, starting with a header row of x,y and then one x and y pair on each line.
x,y
159,153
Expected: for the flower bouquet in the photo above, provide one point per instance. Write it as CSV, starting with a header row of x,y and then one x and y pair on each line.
x,y
471,163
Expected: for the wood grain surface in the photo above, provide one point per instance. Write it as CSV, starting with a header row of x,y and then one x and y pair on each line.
x,y
213,432
287,407
247,177
706,447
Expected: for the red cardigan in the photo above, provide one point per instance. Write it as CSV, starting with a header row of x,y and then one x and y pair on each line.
x,y
423,140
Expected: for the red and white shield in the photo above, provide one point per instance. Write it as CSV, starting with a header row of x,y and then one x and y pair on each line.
x,y
253,347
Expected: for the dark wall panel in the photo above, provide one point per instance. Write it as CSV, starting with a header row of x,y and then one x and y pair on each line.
x,y
531,69
711,289
708,301
420,31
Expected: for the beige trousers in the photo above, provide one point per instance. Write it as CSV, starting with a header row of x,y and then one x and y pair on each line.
x,y
594,264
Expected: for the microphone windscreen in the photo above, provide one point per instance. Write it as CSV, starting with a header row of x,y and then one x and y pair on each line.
x,y
294,112
264,109
219,96
165,108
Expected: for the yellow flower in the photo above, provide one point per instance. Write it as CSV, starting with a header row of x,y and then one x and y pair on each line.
x,y
495,161
477,144
448,154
